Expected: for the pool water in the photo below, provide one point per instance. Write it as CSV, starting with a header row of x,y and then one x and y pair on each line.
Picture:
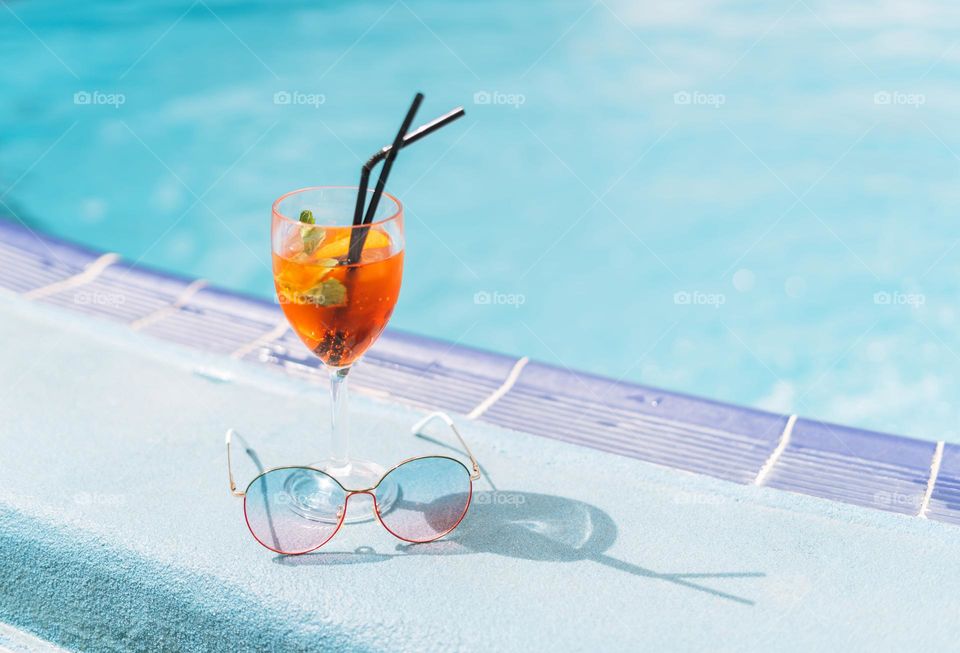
x,y
748,201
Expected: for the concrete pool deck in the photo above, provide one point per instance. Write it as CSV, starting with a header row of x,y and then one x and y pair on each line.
x,y
118,532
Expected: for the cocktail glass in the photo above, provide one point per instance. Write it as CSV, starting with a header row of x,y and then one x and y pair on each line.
x,y
338,306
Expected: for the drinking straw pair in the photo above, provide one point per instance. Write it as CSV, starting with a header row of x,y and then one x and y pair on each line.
x,y
388,155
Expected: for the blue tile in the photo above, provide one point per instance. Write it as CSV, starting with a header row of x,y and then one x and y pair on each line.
x,y
865,468
228,303
945,500
29,261
666,428
123,293
417,370
44,246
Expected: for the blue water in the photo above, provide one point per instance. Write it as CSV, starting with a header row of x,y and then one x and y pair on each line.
x,y
749,201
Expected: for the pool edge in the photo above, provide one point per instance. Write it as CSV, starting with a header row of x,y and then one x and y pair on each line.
x,y
743,445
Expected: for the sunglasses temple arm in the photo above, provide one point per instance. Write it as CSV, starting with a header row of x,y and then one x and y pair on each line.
x,y
233,485
419,426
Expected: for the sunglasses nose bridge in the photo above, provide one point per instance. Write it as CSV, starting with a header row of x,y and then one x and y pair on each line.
x,y
368,492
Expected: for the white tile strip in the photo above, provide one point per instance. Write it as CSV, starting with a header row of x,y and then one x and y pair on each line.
x,y
265,339
177,304
775,456
932,480
504,388
91,272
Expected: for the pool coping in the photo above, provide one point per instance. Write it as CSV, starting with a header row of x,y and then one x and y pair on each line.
x,y
742,445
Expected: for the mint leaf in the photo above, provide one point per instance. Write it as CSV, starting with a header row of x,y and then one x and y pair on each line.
x,y
330,292
310,236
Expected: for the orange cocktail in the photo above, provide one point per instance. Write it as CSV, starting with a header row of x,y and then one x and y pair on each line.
x,y
337,308
338,299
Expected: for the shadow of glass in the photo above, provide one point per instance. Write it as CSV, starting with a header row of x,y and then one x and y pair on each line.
x,y
530,526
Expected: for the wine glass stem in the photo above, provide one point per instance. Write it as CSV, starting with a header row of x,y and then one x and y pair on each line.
x,y
339,416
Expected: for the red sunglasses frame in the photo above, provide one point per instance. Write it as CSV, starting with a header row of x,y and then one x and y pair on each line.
x,y
371,491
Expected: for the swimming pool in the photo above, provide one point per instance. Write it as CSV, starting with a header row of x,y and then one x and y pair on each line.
x,y
651,193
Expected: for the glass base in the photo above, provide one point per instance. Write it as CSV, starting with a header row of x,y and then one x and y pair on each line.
x,y
354,475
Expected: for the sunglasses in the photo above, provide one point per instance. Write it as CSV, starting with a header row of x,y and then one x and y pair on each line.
x,y
296,510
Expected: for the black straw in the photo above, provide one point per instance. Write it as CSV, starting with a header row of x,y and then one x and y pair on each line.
x,y
409,139
358,236
417,134
391,157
